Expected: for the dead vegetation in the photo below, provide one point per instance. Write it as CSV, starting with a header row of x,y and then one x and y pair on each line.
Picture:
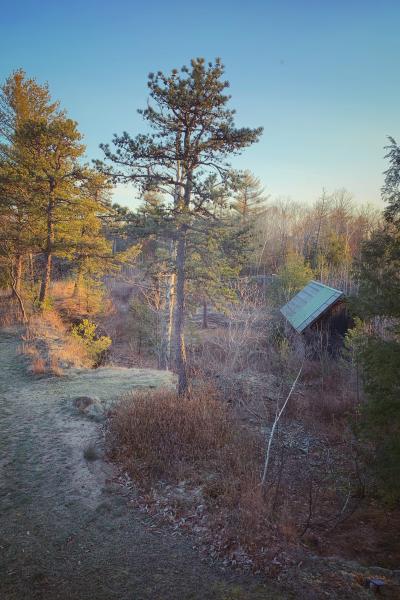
x,y
10,313
199,460
48,341
167,436
200,441
49,347
199,465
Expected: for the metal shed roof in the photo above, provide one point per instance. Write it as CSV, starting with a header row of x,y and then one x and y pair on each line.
x,y
309,304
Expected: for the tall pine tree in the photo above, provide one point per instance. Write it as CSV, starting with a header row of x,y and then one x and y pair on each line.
x,y
193,133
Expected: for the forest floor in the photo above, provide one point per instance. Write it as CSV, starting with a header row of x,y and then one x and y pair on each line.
x,y
67,529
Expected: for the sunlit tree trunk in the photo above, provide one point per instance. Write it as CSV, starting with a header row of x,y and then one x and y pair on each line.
x,y
18,272
171,312
31,271
16,285
78,281
49,246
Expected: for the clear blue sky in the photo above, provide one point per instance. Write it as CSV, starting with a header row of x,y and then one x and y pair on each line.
x,y
322,78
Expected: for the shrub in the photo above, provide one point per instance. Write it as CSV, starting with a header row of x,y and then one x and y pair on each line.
x,y
160,437
290,279
95,346
165,435
380,416
39,366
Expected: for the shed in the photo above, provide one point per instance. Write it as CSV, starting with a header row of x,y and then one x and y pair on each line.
x,y
316,303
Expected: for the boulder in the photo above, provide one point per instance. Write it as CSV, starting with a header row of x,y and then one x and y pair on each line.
x,y
91,407
83,402
95,412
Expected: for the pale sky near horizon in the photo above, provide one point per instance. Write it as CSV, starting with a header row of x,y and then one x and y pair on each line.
x,y
321,77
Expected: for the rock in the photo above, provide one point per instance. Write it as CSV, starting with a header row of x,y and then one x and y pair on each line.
x,y
90,406
83,402
95,412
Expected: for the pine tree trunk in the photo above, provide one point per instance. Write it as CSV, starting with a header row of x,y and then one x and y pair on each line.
x,y
44,287
78,282
18,273
18,296
205,315
31,271
171,312
179,337
180,263
49,247
163,352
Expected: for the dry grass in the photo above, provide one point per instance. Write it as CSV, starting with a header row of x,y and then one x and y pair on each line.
x,y
166,435
200,440
28,350
71,353
75,307
39,366
10,313
49,347
48,323
197,452
47,342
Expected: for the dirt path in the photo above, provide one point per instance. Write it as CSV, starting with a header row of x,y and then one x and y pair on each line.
x,y
66,531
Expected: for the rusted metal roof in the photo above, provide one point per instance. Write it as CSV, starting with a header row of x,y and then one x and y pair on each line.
x,y
309,304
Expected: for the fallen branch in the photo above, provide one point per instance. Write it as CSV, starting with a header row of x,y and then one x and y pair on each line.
x,y
271,435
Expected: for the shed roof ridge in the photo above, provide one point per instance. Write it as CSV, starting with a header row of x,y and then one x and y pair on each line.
x,y
324,285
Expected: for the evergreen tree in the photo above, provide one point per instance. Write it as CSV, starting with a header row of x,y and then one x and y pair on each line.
x,y
391,187
50,204
22,101
51,150
379,273
193,134
290,279
250,198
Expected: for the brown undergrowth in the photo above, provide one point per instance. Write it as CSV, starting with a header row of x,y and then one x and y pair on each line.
x,y
49,343
49,347
208,462
74,305
198,463
10,313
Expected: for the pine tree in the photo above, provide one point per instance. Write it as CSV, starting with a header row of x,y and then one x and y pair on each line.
x,y
193,135
22,101
290,279
250,197
379,296
50,203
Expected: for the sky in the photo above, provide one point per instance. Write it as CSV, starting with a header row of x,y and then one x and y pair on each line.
x,y
321,77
